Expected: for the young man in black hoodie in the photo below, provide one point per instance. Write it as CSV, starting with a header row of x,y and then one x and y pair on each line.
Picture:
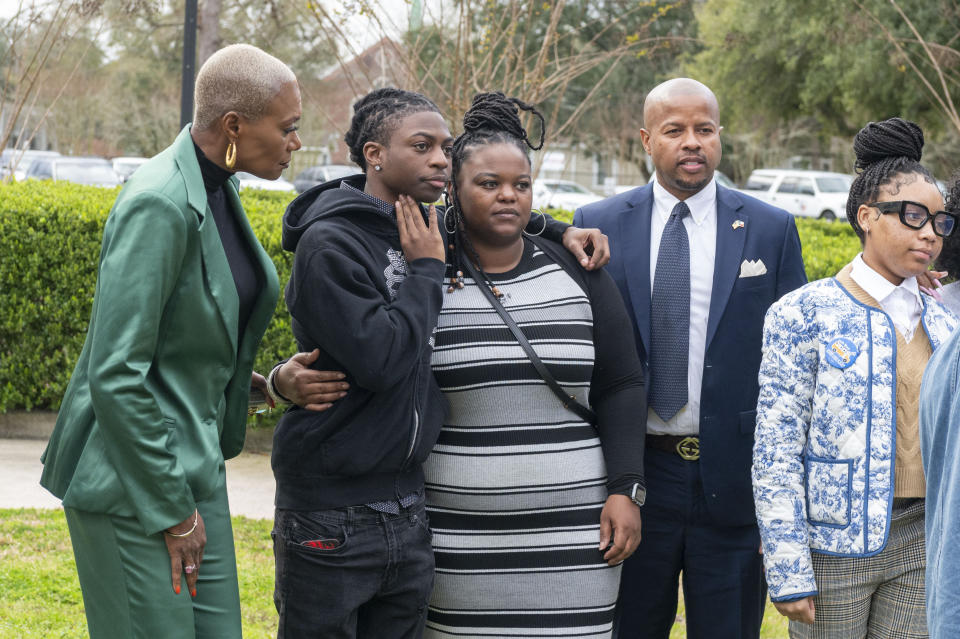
x,y
351,540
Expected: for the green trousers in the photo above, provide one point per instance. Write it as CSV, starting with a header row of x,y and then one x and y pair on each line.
x,y
125,578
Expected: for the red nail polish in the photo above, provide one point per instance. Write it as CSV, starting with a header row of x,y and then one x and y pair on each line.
x,y
176,589
193,593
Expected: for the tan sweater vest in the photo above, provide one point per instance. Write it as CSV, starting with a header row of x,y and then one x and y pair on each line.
x,y
912,358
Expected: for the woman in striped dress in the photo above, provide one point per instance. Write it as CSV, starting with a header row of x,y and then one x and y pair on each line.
x,y
532,507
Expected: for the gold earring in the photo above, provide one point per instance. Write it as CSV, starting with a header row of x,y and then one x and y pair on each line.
x,y
231,159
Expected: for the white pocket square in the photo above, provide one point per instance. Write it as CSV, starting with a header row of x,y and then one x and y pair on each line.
x,y
752,268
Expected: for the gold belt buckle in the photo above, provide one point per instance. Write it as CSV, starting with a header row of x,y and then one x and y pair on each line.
x,y
689,448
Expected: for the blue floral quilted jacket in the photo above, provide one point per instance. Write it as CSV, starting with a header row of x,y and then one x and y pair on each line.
x,y
826,426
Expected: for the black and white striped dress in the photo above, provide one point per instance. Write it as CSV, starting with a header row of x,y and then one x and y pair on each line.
x,y
516,482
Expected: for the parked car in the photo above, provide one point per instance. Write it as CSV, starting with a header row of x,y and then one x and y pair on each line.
x,y
18,160
125,166
90,171
322,173
820,194
251,181
561,194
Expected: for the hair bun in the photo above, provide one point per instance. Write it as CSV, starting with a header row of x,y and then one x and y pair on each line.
x,y
494,111
891,138
490,111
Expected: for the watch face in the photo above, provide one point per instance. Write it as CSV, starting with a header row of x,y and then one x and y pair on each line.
x,y
638,494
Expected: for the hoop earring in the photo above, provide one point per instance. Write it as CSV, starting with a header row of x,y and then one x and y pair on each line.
x,y
231,159
450,213
542,228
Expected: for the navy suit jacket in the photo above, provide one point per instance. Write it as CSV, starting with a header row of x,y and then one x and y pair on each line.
x,y
728,401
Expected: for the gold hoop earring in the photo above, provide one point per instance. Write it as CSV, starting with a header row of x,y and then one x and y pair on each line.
x,y
542,228
231,159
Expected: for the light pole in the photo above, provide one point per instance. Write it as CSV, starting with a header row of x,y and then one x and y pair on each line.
x,y
189,61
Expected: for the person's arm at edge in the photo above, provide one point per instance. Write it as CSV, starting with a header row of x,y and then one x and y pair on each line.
x,y
784,408
292,381
617,390
144,246
589,246
618,395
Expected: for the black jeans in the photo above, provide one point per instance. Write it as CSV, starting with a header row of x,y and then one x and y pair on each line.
x,y
352,573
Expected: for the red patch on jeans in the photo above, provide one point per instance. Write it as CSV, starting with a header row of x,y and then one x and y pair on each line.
x,y
321,544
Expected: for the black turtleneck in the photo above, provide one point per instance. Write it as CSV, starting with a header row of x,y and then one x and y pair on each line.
x,y
243,265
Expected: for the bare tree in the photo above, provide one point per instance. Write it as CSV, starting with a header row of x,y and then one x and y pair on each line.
x,y
37,37
525,49
208,30
935,65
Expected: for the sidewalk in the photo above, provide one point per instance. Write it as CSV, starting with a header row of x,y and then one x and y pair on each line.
x,y
250,484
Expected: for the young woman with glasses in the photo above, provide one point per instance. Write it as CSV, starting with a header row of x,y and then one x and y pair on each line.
x,y
838,481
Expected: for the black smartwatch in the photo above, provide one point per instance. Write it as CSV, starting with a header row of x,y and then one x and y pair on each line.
x,y
638,494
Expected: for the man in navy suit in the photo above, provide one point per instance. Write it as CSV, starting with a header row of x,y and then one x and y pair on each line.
x,y
698,265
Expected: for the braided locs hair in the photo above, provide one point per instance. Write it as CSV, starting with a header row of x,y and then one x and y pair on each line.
x,y
492,118
377,114
884,150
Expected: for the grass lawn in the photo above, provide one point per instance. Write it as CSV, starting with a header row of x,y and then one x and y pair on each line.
x,y
40,596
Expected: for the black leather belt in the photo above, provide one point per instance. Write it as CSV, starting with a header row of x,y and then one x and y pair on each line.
x,y
686,446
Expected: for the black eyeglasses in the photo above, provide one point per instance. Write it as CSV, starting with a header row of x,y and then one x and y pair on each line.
x,y
915,215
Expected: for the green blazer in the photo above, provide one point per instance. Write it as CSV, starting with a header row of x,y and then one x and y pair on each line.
x,y
159,396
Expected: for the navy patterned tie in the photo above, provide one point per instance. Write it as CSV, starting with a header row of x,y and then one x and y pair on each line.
x,y
670,318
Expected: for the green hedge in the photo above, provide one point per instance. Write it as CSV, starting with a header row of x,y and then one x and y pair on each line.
x,y
50,244
827,246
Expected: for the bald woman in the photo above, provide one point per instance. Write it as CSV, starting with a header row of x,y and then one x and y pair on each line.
x,y
159,396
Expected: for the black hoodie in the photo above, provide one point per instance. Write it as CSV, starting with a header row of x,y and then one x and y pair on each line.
x,y
353,296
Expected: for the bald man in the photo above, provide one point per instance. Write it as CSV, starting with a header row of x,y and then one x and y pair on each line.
x,y
698,265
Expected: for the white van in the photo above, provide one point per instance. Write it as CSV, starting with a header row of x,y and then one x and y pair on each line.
x,y
820,194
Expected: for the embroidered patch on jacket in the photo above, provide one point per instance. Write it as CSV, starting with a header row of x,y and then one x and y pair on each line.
x,y
841,353
396,272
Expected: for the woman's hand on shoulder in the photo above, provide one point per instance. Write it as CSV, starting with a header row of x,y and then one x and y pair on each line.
x,y
619,525
185,544
929,283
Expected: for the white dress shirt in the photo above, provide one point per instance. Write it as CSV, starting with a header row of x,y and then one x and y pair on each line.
x,y
701,226
902,303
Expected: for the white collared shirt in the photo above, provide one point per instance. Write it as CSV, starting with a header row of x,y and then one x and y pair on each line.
x,y
902,303
701,226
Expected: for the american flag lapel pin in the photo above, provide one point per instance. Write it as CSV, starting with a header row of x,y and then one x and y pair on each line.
x,y
737,224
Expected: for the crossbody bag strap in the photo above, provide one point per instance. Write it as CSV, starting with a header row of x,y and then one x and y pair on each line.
x,y
568,401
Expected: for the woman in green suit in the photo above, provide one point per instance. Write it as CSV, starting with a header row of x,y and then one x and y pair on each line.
x,y
159,396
